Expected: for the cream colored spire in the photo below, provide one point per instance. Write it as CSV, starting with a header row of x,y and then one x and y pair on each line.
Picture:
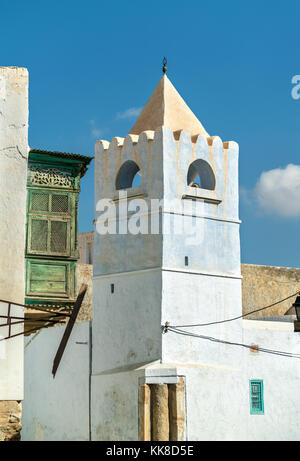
x,y
167,108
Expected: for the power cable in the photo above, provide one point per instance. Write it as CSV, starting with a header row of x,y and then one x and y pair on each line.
x,y
235,318
247,346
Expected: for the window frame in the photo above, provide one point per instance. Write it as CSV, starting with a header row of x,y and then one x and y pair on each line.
x,y
50,216
261,410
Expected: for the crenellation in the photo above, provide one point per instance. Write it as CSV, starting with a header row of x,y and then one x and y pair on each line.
x,y
104,144
118,141
180,150
149,134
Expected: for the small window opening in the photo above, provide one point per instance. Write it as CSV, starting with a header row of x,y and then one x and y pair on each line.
x,y
201,175
186,260
112,288
256,397
128,176
89,253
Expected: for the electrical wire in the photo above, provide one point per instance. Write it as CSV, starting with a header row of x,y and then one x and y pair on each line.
x,y
247,346
235,318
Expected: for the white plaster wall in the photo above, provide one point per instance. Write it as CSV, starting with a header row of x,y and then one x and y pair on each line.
x,y
218,397
126,323
13,176
191,298
11,356
121,253
217,394
114,408
57,409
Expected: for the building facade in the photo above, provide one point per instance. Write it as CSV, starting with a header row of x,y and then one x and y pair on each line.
x,y
86,247
13,175
38,239
154,376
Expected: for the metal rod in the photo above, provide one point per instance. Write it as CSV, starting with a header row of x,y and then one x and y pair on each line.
x,y
69,328
9,320
8,324
33,308
26,319
22,333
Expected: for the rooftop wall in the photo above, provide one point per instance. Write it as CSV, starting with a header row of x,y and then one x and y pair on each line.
x,y
264,285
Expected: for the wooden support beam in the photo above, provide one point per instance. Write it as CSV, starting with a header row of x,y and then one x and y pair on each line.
x,y
144,413
159,412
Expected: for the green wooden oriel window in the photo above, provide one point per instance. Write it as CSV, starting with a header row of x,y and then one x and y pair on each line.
x,y
53,187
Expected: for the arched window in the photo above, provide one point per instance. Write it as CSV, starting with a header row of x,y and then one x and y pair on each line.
x,y
201,175
128,175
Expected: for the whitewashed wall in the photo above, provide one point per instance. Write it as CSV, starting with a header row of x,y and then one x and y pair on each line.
x,y
13,176
218,396
153,285
57,409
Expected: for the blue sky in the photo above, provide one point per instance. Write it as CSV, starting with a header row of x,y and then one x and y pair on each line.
x,y
92,64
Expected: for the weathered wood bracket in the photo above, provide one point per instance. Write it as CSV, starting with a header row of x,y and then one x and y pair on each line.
x,y
69,328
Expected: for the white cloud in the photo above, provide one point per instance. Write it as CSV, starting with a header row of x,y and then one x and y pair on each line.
x,y
95,131
246,195
278,191
129,113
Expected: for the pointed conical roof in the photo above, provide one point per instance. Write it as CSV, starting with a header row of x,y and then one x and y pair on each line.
x,y
167,108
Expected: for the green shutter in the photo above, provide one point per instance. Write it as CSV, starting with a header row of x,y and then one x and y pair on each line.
x,y
50,219
50,278
39,201
59,237
39,235
59,203
256,397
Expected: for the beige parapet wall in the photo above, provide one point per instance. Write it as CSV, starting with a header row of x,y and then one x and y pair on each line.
x,y
84,273
86,247
265,285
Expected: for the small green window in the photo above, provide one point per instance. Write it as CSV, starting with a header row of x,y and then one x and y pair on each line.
x,y
256,397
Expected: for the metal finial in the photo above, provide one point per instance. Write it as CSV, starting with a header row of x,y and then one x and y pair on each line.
x,y
164,65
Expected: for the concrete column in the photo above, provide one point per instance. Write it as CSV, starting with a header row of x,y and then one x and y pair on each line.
x,y
144,413
160,412
177,411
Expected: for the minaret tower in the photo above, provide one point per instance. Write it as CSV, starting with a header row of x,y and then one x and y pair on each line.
x,y
186,271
